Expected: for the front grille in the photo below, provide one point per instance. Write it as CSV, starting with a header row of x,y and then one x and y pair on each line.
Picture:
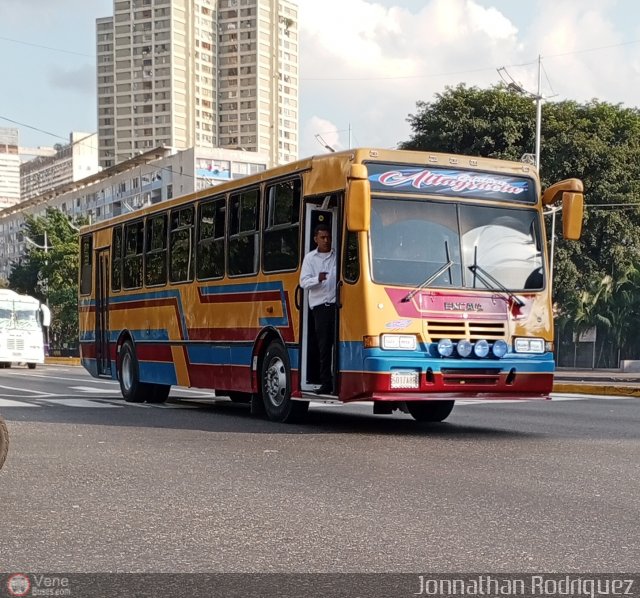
x,y
435,330
480,376
15,344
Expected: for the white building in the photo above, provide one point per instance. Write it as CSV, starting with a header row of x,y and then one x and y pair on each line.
x,y
9,167
203,73
151,177
72,162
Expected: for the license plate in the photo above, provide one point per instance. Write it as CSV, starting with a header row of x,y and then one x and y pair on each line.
x,y
405,379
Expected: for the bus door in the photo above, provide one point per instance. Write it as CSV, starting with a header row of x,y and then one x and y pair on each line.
x,y
103,360
319,210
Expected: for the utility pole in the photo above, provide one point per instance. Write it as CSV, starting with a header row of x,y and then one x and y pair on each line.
x,y
538,97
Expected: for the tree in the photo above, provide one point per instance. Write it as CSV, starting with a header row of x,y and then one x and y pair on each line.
x,y
596,142
51,274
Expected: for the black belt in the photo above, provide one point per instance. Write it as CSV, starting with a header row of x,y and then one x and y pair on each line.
x,y
323,305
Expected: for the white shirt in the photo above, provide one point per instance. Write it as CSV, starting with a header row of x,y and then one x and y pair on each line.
x,y
314,263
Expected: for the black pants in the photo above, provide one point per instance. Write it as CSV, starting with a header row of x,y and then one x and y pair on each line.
x,y
324,319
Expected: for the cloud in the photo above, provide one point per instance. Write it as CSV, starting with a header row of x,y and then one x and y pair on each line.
x,y
81,79
368,67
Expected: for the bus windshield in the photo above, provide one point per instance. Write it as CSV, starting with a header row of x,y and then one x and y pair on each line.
x,y
436,244
18,315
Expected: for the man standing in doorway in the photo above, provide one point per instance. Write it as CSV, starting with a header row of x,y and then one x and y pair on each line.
x,y
318,276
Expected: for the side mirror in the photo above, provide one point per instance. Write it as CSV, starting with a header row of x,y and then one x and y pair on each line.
x,y
45,315
358,199
572,211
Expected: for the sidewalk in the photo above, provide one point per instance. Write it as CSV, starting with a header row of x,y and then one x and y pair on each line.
x,y
602,382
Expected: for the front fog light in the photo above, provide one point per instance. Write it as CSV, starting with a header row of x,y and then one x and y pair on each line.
x,y
481,348
500,348
464,348
445,347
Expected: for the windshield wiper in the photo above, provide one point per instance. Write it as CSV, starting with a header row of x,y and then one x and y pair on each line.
x,y
483,275
435,275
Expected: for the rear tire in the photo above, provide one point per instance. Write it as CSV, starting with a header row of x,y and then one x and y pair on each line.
x,y
132,389
31,366
159,393
275,386
4,442
430,411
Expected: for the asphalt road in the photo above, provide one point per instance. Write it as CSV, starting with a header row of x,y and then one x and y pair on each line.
x,y
95,484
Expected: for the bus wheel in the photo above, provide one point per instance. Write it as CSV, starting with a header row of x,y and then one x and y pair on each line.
x,y
158,393
275,386
430,411
132,389
31,366
4,442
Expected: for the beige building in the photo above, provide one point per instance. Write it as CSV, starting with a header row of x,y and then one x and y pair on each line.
x,y
149,178
71,162
203,73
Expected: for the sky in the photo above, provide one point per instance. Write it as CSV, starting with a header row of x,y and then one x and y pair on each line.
x,y
363,63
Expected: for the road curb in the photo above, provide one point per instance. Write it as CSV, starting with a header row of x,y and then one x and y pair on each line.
x,y
593,389
62,360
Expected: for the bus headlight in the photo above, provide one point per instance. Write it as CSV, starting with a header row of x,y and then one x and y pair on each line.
x,y
399,342
481,348
529,345
500,348
464,348
445,347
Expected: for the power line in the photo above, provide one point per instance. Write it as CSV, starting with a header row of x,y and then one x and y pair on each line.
x,y
17,41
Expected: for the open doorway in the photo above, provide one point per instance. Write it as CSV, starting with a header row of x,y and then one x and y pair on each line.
x,y
321,210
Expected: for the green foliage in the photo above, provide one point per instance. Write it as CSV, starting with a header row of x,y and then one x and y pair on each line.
x,y
596,142
51,274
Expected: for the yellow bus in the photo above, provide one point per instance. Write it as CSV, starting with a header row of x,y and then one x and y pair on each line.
x,y
442,285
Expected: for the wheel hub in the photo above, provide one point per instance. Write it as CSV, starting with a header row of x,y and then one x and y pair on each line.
x,y
275,382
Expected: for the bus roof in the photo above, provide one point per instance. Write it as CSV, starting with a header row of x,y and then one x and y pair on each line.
x,y
342,160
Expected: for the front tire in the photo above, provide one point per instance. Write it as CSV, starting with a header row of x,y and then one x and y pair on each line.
x,y
430,411
31,366
275,386
4,442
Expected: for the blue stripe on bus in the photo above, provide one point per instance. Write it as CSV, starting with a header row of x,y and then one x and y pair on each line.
x,y
354,358
158,372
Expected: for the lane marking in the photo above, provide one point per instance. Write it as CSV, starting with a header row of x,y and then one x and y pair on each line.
x,y
84,403
96,390
9,403
36,392
78,379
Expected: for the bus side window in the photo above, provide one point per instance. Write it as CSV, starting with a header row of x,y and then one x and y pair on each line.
x,y
351,266
155,252
116,259
210,248
281,236
181,253
243,233
133,253
86,261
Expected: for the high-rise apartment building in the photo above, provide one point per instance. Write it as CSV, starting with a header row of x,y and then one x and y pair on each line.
x,y
204,73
